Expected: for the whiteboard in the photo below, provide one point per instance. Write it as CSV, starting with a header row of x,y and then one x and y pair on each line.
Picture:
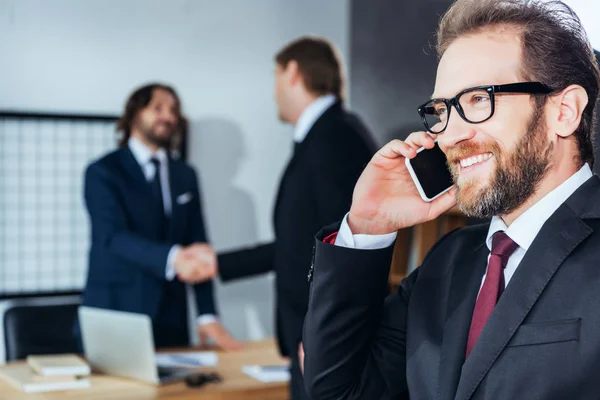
x,y
44,228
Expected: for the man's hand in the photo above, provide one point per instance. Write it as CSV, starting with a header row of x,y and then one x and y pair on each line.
x,y
301,357
196,263
385,197
219,334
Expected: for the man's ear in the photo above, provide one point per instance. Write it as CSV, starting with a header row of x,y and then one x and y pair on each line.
x,y
292,73
568,106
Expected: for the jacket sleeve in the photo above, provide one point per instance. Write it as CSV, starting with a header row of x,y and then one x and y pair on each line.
x,y
205,299
244,263
355,336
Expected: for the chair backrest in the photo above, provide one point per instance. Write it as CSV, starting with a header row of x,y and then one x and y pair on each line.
x,y
38,325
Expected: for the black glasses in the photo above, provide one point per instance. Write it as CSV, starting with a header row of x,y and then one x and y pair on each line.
x,y
475,105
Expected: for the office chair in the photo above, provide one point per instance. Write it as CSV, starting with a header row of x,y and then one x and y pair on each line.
x,y
38,325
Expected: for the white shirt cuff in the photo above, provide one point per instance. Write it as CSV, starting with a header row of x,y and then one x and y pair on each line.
x,y
170,270
345,238
206,319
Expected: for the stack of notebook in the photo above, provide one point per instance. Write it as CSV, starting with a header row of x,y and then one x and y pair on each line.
x,y
48,373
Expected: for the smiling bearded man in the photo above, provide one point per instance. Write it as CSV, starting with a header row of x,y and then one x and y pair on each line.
x,y
503,310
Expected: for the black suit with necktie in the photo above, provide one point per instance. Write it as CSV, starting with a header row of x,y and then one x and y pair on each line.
x,y
132,237
542,340
316,189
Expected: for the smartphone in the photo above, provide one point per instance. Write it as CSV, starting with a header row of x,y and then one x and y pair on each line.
x,y
430,173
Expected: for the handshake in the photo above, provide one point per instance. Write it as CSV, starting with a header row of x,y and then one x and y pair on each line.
x,y
196,263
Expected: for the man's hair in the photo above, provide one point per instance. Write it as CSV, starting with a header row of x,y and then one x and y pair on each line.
x,y
318,64
139,100
555,48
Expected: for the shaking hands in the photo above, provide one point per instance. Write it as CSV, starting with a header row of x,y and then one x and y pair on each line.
x,y
196,263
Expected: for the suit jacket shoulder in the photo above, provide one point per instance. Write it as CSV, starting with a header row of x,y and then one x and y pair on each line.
x,y
109,161
339,133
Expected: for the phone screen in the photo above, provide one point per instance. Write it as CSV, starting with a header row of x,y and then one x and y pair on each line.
x,y
431,170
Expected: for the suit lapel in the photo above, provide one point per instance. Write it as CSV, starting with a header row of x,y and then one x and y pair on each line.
x,y
464,287
559,236
134,170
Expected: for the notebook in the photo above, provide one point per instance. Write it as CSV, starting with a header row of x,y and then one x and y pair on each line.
x,y
59,365
24,379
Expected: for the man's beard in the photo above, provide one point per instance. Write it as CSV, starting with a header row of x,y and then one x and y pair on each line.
x,y
515,178
163,141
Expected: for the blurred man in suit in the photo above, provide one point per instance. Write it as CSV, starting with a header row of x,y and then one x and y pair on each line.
x,y
502,310
148,236
331,149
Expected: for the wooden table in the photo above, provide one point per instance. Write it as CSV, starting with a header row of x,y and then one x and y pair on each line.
x,y
236,385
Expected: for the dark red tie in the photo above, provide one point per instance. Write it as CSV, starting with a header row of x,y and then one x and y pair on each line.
x,y
493,286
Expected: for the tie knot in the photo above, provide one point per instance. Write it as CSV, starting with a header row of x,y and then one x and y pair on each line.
x,y
156,162
502,245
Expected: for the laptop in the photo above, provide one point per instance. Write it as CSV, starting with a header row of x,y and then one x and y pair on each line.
x,y
121,344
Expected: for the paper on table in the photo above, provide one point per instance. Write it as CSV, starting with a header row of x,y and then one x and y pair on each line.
x,y
267,374
187,360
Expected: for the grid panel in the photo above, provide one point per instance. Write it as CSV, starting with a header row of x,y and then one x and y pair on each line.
x,y
44,228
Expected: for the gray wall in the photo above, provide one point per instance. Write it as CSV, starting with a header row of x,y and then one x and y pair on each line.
x,y
392,63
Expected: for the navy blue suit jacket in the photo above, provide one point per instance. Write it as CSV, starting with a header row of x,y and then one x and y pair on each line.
x,y
128,259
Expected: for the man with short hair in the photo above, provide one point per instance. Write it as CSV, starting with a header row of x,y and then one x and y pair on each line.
x,y
505,310
331,148
148,236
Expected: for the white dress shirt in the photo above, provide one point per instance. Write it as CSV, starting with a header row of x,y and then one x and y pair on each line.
x,y
144,156
311,114
522,231
526,227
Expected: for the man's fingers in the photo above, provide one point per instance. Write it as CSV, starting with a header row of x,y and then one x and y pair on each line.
x,y
223,339
442,204
231,344
408,148
396,149
199,271
421,139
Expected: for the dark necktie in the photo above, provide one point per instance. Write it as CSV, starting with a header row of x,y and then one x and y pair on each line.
x,y
493,286
156,186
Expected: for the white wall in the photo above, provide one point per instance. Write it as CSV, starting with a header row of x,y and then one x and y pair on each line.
x,y
87,56
588,12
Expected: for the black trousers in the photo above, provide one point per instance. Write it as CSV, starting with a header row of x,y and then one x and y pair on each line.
x,y
170,326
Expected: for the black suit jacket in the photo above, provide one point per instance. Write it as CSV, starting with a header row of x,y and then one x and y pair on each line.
x,y
316,189
542,340
128,259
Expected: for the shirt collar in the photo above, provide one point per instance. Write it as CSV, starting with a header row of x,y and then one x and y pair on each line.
x,y
143,154
311,114
526,227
